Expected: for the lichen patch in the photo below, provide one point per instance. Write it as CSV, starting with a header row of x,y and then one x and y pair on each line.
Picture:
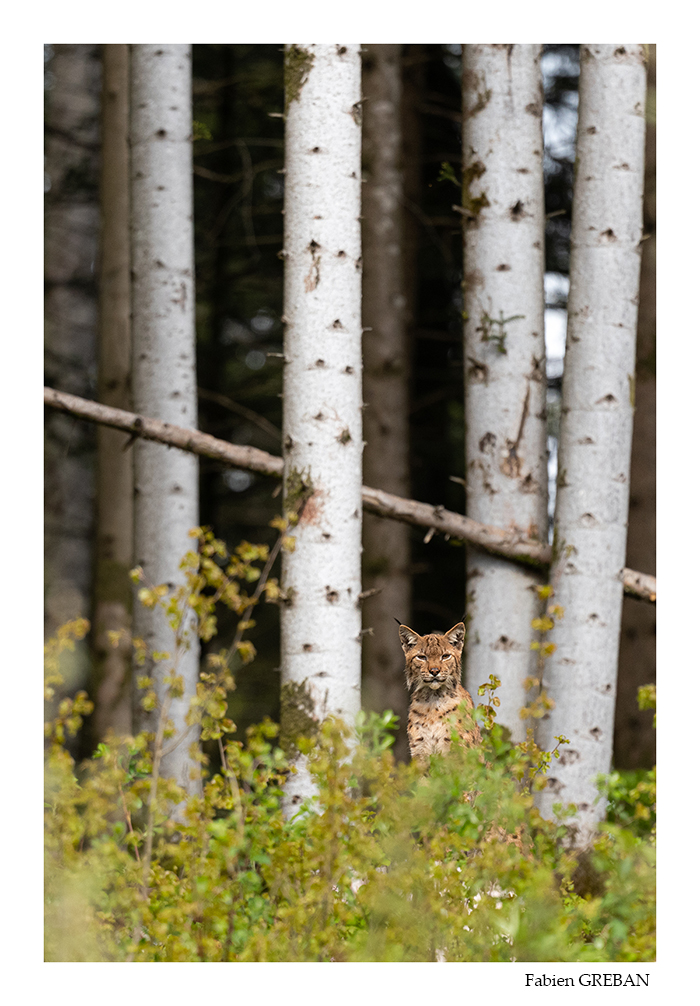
x,y
297,66
297,716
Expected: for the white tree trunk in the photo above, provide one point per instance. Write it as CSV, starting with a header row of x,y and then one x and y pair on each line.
x,y
115,492
504,355
596,425
386,368
321,619
164,381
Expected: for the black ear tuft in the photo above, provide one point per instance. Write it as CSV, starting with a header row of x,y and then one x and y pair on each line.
x,y
397,621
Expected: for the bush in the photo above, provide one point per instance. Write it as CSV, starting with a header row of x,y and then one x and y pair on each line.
x,y
385,864
631,796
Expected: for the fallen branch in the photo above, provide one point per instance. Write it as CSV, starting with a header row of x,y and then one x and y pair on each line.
x,y
193,441
456,525
507,544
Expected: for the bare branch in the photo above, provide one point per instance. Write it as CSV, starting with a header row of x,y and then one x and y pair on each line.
x,y
186,439
508,544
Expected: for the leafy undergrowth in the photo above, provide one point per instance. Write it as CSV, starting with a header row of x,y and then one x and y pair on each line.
x,y
386,864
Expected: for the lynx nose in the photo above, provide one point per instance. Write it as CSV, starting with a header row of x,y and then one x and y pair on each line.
x,y
434,671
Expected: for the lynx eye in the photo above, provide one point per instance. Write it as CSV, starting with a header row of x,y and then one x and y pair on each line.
x,y
420,656
446,656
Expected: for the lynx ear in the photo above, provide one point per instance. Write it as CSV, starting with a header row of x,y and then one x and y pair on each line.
x,y
407,636
455,636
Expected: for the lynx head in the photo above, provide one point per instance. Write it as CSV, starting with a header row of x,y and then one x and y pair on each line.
x,y
433,661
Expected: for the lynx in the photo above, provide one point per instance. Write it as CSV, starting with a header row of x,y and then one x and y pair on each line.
x,y
439,703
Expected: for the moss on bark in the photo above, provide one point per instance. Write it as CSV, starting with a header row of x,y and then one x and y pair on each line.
x,y
297,716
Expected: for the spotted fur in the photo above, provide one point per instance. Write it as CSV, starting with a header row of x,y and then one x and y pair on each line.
x,y
438,702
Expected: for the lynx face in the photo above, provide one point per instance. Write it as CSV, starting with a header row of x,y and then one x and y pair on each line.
x,y
439,703
433,661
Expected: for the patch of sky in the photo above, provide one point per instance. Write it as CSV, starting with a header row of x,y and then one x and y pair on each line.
x,y
559,128
559,62
556,292
559,124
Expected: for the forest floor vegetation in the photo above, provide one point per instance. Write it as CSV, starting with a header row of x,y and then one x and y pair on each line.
x,y
385,864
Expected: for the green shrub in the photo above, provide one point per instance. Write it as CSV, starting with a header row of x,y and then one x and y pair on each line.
x,y
385,864
631,796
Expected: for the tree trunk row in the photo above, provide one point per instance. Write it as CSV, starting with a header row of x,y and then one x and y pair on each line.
x,y
504,379
166,500
596,427
504,356
321,641
115,481
386,382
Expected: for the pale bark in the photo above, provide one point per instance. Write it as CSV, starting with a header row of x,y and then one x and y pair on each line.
x,y
454,525
504,354
387,547
70,251
321,619
596,426
163,361
114,531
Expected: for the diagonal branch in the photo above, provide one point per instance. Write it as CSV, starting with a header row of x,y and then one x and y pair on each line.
x,y
509,545
186,439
